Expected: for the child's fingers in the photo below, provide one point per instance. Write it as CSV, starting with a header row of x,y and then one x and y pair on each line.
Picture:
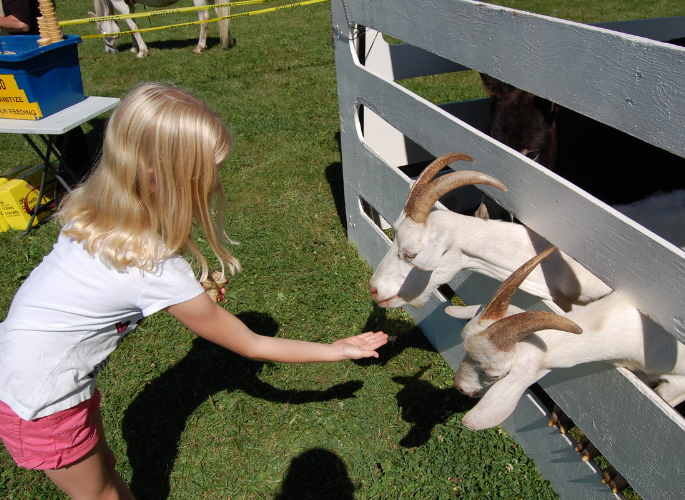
x,y
372,346
369,354
370,337
370,334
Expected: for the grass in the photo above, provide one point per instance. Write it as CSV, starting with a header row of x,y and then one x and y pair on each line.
x,y
189,420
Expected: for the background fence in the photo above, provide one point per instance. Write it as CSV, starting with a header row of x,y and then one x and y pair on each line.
x,y
640,91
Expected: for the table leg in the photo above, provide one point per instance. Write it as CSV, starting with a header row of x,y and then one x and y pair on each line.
x,y
46,166
46,158
37,208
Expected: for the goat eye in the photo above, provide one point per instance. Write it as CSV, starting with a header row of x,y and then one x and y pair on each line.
x,y
533,155
409,256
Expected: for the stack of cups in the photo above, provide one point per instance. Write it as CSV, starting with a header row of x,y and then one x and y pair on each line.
x,y
43,28
52,30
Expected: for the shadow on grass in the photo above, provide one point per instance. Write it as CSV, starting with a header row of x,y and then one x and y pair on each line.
x,y
422,404
334,176
316,474
426,406
154,422
404,333
189,43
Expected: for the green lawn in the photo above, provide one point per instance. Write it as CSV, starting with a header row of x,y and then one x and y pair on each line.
x,y
189,420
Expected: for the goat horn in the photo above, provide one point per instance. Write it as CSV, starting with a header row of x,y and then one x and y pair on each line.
x,y
421,204
432,170
504,333
499,303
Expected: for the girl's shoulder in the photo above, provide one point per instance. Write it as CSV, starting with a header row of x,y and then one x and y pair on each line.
x,y
69,250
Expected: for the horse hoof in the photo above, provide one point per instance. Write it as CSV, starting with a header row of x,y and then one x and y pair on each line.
x,y
199,50
231,44
141,54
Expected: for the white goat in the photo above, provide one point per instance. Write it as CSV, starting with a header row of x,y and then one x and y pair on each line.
x,y
430,248
508,349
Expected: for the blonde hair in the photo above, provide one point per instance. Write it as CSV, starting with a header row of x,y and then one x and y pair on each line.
x,y
159,170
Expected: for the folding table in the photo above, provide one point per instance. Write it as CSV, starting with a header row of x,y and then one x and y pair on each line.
x,y
58,123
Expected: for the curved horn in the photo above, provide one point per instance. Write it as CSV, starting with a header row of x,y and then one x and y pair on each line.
x,y
431,171
504,333
421,204
499,303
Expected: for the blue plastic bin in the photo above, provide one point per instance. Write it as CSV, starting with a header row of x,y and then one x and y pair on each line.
x,y
36,81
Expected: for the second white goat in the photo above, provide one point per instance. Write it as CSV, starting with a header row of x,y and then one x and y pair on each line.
x,y
508,349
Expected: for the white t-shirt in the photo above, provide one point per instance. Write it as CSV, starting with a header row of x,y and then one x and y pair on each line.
x,y
68,317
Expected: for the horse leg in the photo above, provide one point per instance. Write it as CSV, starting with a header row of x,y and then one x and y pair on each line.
x,y
227,40
109,28
204,16
138,44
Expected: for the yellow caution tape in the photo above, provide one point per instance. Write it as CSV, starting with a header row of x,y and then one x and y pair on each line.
x,y
232,16
136,15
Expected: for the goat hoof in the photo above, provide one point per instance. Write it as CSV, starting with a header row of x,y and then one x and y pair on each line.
x,y
608,474
561,420
618,483
582,444
587,450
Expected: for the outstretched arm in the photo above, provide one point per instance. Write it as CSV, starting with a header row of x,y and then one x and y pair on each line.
x,y
214,323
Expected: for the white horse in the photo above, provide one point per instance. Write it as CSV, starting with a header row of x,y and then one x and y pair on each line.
x,y
107,7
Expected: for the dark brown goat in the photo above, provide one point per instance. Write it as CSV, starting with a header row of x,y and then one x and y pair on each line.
x,y
609,164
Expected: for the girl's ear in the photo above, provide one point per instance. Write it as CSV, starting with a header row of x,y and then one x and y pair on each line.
x,y
499,401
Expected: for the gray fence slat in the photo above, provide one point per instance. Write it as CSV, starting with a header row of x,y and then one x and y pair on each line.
x,y
408,61
562,214
609,76
651,274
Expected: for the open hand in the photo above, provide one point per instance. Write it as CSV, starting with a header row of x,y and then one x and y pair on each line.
x,y
361,346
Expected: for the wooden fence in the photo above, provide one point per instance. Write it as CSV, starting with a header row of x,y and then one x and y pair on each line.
x,y
616,73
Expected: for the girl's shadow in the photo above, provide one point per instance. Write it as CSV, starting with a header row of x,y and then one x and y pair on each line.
x,y
153,423
317,474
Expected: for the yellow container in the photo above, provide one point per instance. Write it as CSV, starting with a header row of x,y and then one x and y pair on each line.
x,y
4,226
13,173
34,175
12,199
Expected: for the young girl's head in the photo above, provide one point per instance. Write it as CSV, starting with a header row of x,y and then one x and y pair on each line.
x,y
159,170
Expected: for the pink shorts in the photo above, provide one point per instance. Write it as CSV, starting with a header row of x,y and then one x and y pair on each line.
x,y
53,441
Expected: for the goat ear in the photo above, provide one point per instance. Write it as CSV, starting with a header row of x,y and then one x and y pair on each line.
x,y
499,401
491,85
429,258
496,88
466,312
548,109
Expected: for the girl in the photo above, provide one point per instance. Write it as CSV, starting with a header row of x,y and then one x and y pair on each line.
x,y
116,261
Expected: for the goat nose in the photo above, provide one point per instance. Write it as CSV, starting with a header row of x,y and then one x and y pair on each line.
x,y
373,291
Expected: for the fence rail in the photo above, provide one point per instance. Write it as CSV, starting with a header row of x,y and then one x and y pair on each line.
x,y
606,72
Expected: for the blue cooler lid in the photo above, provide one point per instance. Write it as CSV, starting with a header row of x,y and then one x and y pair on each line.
x,y
26,46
